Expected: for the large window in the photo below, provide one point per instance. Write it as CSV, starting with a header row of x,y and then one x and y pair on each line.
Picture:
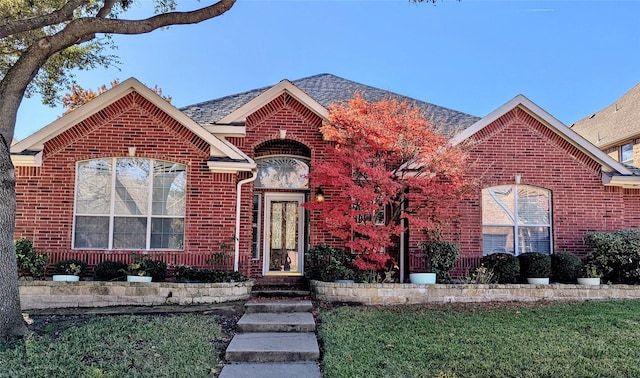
x,y
129,203
516,219
282,172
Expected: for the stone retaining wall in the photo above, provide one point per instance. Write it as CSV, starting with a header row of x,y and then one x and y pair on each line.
x,y
49,294
392,294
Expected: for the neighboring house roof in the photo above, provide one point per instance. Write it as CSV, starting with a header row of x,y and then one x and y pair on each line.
x,y
614,173
614,124
326,89
225,157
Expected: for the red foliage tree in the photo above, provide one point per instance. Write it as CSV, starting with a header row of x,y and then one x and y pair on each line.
x,y
385,163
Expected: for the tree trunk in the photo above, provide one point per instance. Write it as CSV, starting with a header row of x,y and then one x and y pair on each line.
x,y
11,322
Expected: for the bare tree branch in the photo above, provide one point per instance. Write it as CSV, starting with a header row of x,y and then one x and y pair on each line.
x,y
63,14
106,9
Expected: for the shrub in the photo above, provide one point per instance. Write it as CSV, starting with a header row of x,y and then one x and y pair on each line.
x,y
565,267
325,263
440,257
29,261
534,265
505,267
616,255
73,267
109,270
155,268
189,274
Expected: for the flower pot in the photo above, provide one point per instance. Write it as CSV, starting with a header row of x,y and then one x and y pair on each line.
x,y
422,278
138,278
65,277
593,281
538,281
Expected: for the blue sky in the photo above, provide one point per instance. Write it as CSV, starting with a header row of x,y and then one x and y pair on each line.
x,y
572,58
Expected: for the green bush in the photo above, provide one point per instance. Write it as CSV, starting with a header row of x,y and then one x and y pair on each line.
x,y
565,267
189,274
109,270
441,257
505,267
325,263
155,268
616,255
534,265
29,261
71,266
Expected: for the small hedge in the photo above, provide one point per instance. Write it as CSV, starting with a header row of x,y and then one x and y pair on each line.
x,y
505,267
325,263
155,268
109,270
534,265
616,255
71,266
193,275
565,267
441,257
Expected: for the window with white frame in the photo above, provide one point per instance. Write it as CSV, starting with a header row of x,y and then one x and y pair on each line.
x,y
129,203
516,219
626,153
255,226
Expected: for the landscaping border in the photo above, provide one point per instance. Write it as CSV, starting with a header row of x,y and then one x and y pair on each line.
x,y
395,294
49,294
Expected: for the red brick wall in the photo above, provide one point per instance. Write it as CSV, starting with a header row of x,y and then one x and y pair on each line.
x,y
45,195
519,144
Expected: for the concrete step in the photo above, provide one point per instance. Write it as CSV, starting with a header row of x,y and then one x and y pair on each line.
x,y
273,347
278,306
277,322
288,293
271,370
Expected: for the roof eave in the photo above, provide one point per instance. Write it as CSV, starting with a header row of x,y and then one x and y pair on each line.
x,y
629,182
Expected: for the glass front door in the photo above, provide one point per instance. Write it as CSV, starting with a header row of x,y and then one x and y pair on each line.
x,y
284,225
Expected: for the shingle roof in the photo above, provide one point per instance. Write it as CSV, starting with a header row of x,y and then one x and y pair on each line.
x,y
326,89
616,123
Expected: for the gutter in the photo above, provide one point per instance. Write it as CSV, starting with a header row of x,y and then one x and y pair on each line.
x,y
236,254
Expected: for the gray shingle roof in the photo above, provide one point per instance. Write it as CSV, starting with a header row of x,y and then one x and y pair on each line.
x,y
614,124
326,89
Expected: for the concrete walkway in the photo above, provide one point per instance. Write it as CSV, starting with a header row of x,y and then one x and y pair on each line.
x,y
274,339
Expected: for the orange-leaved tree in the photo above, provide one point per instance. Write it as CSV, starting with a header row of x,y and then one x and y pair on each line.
x,y
386,163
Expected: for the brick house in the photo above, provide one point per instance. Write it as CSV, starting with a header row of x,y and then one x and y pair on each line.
x,y
130,172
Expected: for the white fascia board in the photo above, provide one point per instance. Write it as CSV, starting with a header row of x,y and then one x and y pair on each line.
x,y
35,142
240,115
226,130
607,162
230,167
622,181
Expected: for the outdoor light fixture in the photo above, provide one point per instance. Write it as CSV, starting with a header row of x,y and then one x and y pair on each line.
x,y
319,194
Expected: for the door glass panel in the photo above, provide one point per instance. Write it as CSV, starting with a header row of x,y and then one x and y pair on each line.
x,y
292,222
284,235
276,225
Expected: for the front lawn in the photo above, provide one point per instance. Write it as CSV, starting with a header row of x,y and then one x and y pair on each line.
x,y
118,346
586,339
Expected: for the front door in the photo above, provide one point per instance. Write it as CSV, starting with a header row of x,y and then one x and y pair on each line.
x,y
284,234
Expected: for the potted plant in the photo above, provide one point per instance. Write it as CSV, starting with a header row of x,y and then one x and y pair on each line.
x,y
589,275
68,270
439,257
535,267
137,270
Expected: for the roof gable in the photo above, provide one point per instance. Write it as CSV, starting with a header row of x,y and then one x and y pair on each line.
x,y
33,144
607,163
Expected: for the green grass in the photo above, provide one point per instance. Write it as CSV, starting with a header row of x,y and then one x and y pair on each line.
x,y
117,346
587,339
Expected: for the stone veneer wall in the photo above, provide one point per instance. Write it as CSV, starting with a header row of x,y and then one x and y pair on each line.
x,y
49,294
395,294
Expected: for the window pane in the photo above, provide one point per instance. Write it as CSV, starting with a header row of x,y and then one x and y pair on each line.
x,y
167,233
169,189
129,233
255,226
276,225
94,187
497,240
534,239
626,154
292,225
132,186
91,232
498,205
282,172
533,205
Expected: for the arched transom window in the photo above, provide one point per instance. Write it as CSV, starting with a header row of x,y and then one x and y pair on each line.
x,y
129,203
282,172
516,219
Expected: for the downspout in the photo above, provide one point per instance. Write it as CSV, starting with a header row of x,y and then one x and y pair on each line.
x,y
236,254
